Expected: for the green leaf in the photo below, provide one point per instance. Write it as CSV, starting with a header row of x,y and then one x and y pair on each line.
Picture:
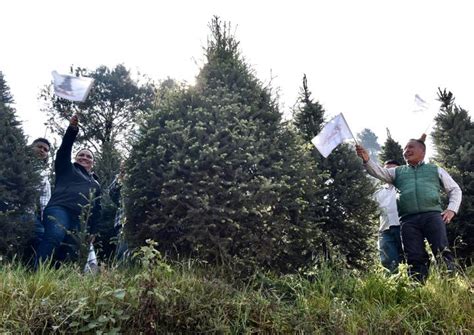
x,y
120,294
103,319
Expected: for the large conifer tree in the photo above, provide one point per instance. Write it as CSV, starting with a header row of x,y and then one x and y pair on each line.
x,y
349,208
215,175
453,136
19,179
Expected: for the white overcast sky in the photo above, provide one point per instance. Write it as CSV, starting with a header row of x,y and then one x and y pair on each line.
x,y
366,59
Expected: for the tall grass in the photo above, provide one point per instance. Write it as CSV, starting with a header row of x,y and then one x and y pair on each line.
x,y
189,297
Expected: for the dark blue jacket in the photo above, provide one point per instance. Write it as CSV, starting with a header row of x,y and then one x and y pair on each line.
x,y
73,183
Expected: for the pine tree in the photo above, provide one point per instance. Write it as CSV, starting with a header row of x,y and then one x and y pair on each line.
x,y
214,174
5,95
368,140
19,180
453,136
308,118
350,211
391,150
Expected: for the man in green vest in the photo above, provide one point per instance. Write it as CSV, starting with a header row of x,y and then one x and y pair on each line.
x,y
419,206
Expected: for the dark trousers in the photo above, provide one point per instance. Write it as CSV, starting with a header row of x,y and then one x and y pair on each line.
x,y
390,248
414,229
58,222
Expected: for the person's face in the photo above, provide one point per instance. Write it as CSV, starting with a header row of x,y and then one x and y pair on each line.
x,y
41,150
414,152
85,159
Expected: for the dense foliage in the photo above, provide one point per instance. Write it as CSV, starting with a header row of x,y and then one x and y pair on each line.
x,y
215,173
19,180
453,136
347,194
391,150
5,94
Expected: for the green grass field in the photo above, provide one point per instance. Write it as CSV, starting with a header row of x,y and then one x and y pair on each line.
x,y
189,297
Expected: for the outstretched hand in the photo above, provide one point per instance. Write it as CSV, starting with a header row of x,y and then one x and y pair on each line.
x,y
447,215
74,121
362,153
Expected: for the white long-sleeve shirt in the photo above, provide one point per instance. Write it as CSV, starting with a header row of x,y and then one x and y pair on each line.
x,y
450,186
386,198
45,191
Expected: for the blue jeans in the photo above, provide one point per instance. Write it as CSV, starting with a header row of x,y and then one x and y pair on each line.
x,y
57,221
390,248
417,227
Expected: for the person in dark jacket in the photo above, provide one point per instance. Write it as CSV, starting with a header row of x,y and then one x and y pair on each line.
x,y
75,185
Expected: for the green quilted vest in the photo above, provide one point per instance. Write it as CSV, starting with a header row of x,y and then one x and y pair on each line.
x,y
419,189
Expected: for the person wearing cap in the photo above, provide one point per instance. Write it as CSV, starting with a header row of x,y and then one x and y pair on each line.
x,y
419,206
74,184
390,243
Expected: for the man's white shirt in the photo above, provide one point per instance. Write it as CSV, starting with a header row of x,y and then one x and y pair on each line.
x,y
386,198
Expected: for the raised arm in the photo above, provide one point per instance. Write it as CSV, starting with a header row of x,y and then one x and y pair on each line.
x,y
63,156
374,169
